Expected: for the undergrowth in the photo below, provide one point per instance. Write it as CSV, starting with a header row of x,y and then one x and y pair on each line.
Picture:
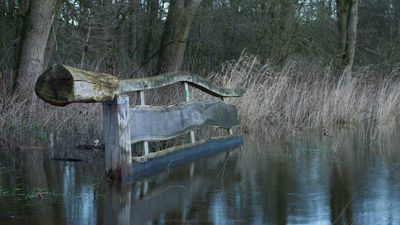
x,y
296,97
25,120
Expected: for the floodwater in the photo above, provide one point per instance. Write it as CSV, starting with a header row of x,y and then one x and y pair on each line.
x,y
344,178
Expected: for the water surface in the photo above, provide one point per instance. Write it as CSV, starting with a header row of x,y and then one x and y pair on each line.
x,y
311,179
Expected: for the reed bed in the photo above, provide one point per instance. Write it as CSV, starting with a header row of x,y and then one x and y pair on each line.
x,y
296,97
308,97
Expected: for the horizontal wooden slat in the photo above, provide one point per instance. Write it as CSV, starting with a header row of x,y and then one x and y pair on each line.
x,y
153,123
202,146
175,77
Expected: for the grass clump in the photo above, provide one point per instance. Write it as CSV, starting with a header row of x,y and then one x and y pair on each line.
x,y
307,97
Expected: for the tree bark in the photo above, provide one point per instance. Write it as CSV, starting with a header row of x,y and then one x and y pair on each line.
x,y
347,17
342,14
149,29
34,37
282,28
51,44
52,40
175,34
352,34
132,42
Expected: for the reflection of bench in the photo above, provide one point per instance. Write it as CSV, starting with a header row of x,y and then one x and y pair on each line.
x,y
124,124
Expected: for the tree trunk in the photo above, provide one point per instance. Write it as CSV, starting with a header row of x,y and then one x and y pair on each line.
x,y
347,17
281,29
149,29
133,12
342,14
51,44
352,33
34,37
52,40
175,34
397,16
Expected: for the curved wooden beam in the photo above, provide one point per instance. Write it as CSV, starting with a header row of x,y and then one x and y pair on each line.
x,y
166,79
62,85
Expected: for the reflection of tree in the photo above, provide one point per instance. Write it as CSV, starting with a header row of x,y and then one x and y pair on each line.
x,y
33,167
341,200
76,181
270,181
78,205
280,183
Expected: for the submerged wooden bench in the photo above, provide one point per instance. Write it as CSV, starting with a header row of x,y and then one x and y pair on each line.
x,y
124,124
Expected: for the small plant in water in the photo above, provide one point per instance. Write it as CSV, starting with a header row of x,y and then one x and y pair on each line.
x,y
38,193
24,193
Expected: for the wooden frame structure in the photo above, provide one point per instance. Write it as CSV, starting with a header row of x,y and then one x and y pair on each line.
x,y
125,124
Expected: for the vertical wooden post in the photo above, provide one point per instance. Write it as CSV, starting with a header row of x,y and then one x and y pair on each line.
x,y
192,137
145,187
230,131
191,171
187,99
117,138
145,143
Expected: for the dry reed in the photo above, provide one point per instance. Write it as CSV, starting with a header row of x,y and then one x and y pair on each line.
x,y
309,97
294,98
26,120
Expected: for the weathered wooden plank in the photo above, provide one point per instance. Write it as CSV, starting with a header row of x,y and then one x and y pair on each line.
x,y
187,99
62,85
117,137
175,77
153,123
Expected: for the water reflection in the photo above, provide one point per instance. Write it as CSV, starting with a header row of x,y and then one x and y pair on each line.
x,y
78,200
341,179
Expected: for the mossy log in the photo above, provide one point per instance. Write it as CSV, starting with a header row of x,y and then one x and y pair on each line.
x,y
62,85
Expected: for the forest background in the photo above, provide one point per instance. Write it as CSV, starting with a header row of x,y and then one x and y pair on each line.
x,y
307,64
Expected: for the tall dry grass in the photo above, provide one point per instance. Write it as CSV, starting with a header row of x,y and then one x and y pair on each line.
x,y
294,98
26,120
309,97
